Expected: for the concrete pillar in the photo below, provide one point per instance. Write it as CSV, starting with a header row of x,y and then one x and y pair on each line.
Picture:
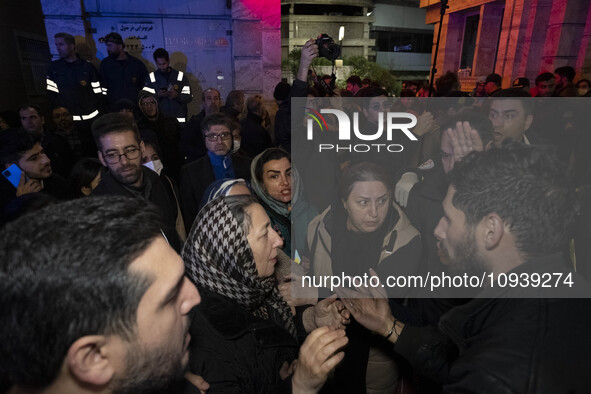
x,y
489,27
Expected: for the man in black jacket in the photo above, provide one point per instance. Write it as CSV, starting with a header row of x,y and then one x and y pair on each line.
x,y
219,163
507,214
120,150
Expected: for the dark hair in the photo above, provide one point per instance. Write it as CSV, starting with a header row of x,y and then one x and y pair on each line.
x,y
123,103
238,205
115,38
113,122
234,97
526,186
521,82
407,93
566,71
26,203
447,83
65,274
583,80
82,174
354,80
13,145
68,38
281,91
543,77
516,94
363,172
371,91
267,156
494,78
254,104
217,118
161,53
30,106
477,120
366,81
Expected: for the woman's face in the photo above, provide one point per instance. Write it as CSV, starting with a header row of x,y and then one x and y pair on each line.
x,y
367,206
263,240
277,179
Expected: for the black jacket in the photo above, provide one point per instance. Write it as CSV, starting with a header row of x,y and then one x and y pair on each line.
x,y
236,352
197,176
154,191
122,78
75,86
255,138
507,345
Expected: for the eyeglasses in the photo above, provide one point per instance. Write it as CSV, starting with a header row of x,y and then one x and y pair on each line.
x,y
130,154
214,137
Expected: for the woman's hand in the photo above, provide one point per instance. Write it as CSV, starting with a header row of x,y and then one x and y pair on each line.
x,y
319,354
332,313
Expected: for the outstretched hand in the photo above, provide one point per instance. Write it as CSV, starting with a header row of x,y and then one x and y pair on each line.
x,y
464,139
309,53
369,306
319,354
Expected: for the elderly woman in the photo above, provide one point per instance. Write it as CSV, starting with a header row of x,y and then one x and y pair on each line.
x,y
244,338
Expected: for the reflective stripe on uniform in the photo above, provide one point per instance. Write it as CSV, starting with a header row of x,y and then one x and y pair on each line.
x,y
86,117
52,86
180,76
97,90
96,84
149,90
186,90
152,77
105,91
181,120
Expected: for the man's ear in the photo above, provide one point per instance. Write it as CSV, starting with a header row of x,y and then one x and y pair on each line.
x,y
528,119
142,149
101,158
86,190
493,230
89,361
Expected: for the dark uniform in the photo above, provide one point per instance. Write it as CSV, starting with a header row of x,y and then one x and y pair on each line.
x,y
77,87
173,79
122,78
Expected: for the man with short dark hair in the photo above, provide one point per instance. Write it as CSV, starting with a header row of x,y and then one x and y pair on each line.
x,y
234,104
67,129
123,74
493,84
545,85
170,86
192,144
55,146
255,138
25,151
512,115
74,83
353,84
219,163
120,150
508,213
564,82
93,300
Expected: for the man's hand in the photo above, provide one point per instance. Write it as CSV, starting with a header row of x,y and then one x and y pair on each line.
x,y
172,94
402,190
425,124
197,381
464,139
30,186
369,306
309,52
319,354
332,313
162,92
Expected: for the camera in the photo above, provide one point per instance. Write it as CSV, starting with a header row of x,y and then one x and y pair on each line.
x,y
327,47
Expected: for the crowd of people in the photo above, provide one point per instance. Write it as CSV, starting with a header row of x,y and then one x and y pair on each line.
x,y
147,250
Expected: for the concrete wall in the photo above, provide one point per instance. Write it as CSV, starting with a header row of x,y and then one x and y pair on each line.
x,y
237,48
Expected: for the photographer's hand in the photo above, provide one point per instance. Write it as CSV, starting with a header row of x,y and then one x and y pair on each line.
x,y
309,52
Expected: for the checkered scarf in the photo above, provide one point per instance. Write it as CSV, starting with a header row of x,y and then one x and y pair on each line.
x,y
218,258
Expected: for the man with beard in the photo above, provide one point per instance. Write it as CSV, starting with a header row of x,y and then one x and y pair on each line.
x,y
94,300
24,150
508,212
123,75
66,128
170,86
120,150
219,163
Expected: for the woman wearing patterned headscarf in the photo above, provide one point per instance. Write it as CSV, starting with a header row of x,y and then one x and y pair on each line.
x,y
243,337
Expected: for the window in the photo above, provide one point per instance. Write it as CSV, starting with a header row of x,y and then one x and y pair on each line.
x,y
469,41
